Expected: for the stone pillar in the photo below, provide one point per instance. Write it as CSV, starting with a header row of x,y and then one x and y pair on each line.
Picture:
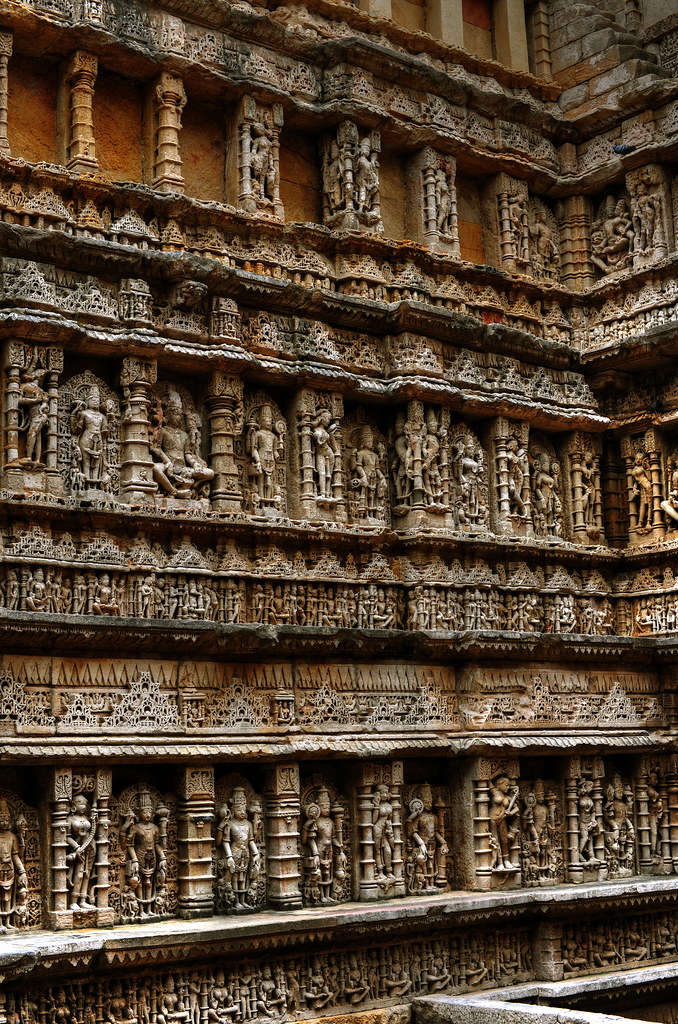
x,y
136,465
645,863
226,415
509,33
169,100
378,787
547,943
254,183
5,54
575,868
105,915
541,39
282,809
61,791
195,813
80,75
31,382
444,21
577,270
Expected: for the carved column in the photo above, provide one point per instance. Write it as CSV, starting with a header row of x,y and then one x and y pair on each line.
x,y
137,377
432,201
282,809
80,75
30,400
645,862
5,54
169,100
61,792
379,819
195,813
672,813
226,415
105,915
575,215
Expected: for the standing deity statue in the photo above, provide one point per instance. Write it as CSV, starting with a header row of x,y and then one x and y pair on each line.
x,y
326,452
504,816
540,843
144,843
589,826
239,863
263,170
518,475
91,423
382,832
619,831
80,840
546,501
367,479
323,846
641,491
428,850
265,447
177,466
34,407
13,877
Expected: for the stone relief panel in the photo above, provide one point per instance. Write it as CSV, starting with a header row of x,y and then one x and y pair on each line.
x,y
547,488
379,815
612,235
319,451
366,454
21,890
143,858
263,454
30,418
651,215
179,469
239,846
428,859
325,843
350,167
297,983
497,814
600,814
88,441
259,158
542,856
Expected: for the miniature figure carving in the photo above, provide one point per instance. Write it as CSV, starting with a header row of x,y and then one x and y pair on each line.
x,y
177,466
144,842
91,423
504,820
80,839
428,849
383,833
239,862
323,847
266,449
13,877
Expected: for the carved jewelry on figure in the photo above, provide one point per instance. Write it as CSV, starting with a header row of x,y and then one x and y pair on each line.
x,y
427,850
324,845
178,467
265,441
89,424
239,847
144,859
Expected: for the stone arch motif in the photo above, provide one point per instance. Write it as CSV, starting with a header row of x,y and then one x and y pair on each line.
x,y
546,482
21,891
88,438
262,457
176,445
325,842
367,484
240,847
469,491
143,854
